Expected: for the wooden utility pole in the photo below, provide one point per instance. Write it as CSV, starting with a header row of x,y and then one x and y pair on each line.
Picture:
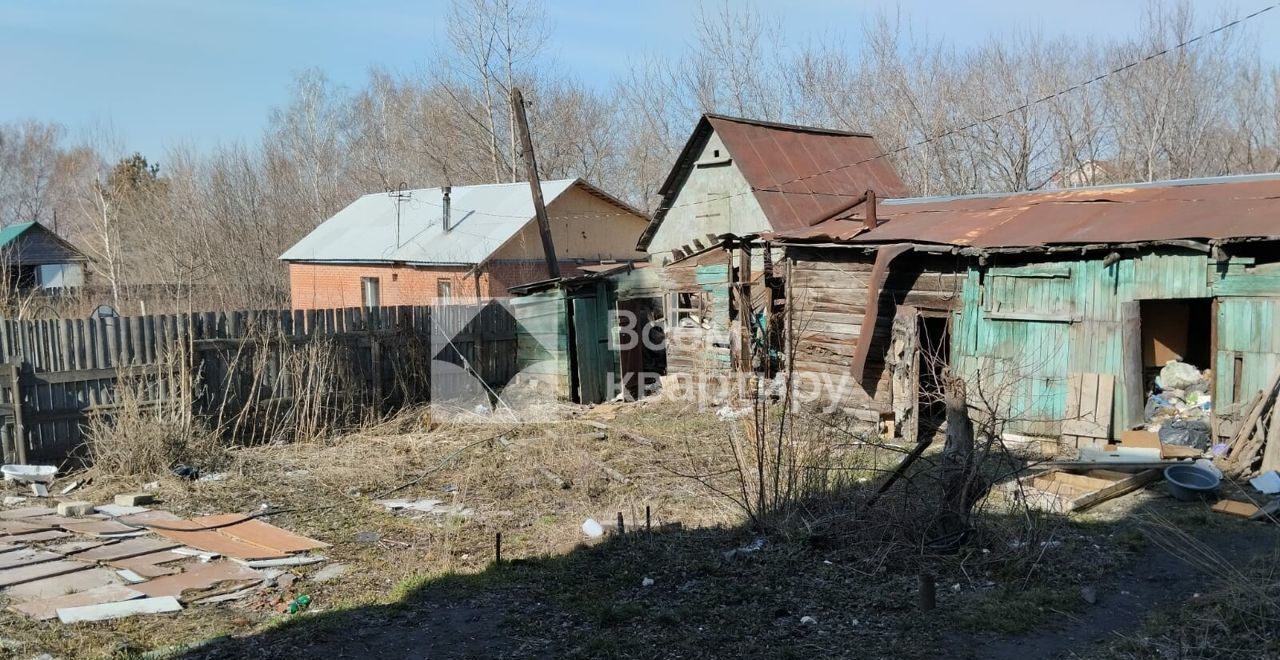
x,y
535,186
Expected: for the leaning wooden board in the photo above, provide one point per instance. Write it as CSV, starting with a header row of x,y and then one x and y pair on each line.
x,y
1058,491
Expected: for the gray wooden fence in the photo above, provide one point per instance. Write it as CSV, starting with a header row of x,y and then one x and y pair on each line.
x,y
55,374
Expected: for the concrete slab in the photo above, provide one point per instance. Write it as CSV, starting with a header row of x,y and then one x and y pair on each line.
x,y
44,609
26,512
61,585
30,573
118,610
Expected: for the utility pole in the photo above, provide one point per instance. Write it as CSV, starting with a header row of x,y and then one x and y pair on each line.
x,y
535,187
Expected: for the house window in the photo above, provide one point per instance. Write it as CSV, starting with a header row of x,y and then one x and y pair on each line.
x,y
444,290
370,292
686,308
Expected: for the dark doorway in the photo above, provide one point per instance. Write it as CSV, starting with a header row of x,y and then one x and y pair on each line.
x,y
1176,330
935,356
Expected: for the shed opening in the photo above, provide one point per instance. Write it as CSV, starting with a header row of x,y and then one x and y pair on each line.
x,y
1180,330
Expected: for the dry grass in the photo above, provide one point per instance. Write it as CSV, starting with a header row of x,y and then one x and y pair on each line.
x,y
509,476
141,439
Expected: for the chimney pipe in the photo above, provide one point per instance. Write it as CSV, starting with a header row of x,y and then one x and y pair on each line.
x,y
869,216
446,222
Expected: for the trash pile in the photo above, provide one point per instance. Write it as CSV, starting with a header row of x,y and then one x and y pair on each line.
x,y
1179,408
87,562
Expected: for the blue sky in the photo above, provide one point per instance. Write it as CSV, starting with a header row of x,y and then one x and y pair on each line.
x,y
162,72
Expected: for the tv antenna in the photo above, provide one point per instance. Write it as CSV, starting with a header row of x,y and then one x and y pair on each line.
x,y
401,195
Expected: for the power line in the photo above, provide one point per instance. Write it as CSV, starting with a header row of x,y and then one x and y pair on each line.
x,y
919,143
1102,76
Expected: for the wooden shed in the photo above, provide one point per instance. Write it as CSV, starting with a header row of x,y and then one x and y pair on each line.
x,y
1059,307
577,336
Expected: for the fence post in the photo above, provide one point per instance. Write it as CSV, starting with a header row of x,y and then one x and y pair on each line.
x,y
19,433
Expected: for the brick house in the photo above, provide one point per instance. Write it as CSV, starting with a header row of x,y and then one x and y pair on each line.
x,y
460,244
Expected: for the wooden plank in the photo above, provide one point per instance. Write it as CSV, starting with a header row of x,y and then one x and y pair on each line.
x,y
1234,508
1062,492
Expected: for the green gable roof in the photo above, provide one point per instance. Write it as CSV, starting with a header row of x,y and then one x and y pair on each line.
x,y
10,233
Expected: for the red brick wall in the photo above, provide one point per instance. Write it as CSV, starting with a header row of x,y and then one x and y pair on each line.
x,y
323,286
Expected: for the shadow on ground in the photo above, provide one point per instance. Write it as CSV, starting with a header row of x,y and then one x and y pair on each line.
x,y
815,596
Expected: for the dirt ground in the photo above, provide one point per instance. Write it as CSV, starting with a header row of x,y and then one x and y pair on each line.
x,y
426,586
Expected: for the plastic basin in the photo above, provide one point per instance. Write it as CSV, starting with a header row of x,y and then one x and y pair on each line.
x,y
1190,482
31,473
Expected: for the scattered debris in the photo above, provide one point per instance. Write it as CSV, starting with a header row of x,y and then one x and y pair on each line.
x,y
44,609
808,621
329,573
592,529
300,603
119,610
69,487
366,538
198,577
436,507
134,499
1267,483
215,476
11,500
647,582
729,413
75,508
1089,594
1235,508
151,485
1060,491
299,560
41,474
129,576
39,490
116,511
1252,443
755,546
200,554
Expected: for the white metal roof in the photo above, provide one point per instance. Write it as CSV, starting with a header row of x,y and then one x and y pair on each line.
x,y
483,218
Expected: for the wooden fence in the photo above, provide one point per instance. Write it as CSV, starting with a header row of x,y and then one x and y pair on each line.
x,y
55,374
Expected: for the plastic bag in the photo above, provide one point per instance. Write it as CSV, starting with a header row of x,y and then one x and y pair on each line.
x,y
1186,433
1178,375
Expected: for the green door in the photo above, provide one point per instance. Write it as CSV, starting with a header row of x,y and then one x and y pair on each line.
x,y
594,362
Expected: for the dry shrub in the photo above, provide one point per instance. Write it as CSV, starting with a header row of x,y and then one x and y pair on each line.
x,y
139,437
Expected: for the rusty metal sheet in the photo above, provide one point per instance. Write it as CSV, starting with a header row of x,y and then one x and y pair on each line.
x,y
198,576
206,537
772,156
798,174
260,533
125,549
1222,208
871,313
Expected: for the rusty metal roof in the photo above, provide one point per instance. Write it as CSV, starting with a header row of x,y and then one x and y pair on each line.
x,y
1214,209
771,156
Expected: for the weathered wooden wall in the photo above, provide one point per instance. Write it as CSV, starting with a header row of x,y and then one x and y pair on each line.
x,y
827,294
699,345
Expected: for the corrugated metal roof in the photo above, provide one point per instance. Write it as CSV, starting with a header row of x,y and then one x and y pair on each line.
x,y
483,219
13,231
771,156
1220,208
